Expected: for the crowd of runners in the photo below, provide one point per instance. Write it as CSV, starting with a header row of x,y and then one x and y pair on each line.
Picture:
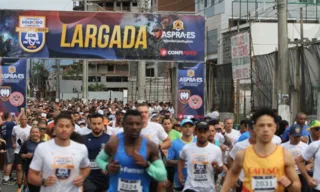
x,y
98,146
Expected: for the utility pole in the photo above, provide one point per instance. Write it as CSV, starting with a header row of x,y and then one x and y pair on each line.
x,y
85,69
284,107
141,76
58,79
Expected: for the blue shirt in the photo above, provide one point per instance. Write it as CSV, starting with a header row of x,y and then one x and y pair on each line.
x,y
94,145
6,132
285,135
174,154
244,136
131,177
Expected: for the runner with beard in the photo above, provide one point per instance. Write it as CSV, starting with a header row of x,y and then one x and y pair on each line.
x,y
95,141
130,159
264,165
203,159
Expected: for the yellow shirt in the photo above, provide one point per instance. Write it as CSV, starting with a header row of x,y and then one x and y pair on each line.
x,y
46,137
262,173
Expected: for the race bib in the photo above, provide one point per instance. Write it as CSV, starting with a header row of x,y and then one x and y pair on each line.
x,y
94,165
264,183
63,167
200,172
125,185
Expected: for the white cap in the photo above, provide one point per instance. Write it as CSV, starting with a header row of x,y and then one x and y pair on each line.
x,y
100,111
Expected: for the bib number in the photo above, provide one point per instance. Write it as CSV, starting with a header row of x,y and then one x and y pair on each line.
x,y
264,183
125,185
200,172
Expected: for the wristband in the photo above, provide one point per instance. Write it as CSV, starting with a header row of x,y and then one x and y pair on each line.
x,y
43,182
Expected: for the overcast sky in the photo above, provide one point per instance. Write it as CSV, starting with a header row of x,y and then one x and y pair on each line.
x,y
61,5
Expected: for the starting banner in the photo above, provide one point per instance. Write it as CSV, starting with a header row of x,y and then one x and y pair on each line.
x,y
101,35
191,86
13,87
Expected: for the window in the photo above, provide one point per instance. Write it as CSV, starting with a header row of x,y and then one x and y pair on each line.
x,y
116,79
110,68
94,79
135,4
212,2
205,3
150,72
212,41
198,5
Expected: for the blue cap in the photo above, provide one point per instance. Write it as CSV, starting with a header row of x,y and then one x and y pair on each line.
x,y
295,130
186,121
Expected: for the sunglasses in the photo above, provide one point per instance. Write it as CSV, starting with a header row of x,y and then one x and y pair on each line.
x,y
317,128
177,125
42,128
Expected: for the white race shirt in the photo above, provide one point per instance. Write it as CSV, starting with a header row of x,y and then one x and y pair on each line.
x,y
21,134
295,150
84,131
114,130
276,139
154,132
200,171
77,128
313,151
62,162
233,135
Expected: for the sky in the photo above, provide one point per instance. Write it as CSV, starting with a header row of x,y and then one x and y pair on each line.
x,y
61,5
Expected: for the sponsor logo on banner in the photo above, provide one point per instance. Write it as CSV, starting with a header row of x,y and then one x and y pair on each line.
x,y
195,102
184,96
164,52
32,33
16,99
190,73
5,92
178,25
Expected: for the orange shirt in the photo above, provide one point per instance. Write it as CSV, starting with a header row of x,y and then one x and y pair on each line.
x,y
262,173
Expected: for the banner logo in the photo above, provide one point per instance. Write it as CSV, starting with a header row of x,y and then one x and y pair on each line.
x,y
32,33
5,92
12,69
16,99
190,73
178,25
195,102
184,96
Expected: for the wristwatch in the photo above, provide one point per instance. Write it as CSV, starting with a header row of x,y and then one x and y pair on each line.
x,y
43,182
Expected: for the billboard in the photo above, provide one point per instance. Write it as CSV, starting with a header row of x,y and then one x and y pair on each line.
x,y
240,54
101,35
190,101
13,87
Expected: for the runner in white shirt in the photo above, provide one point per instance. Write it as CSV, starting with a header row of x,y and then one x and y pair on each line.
x,y
154,132
230,132
20,134
115,126
311,152
60,164
203,161
296,147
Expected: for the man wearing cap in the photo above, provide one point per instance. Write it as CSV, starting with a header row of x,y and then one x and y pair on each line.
x,y
295,146
300,120
203,161
187,128
314,131
311,152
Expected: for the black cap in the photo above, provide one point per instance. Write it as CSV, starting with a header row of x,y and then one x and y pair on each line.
x,y
202,125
